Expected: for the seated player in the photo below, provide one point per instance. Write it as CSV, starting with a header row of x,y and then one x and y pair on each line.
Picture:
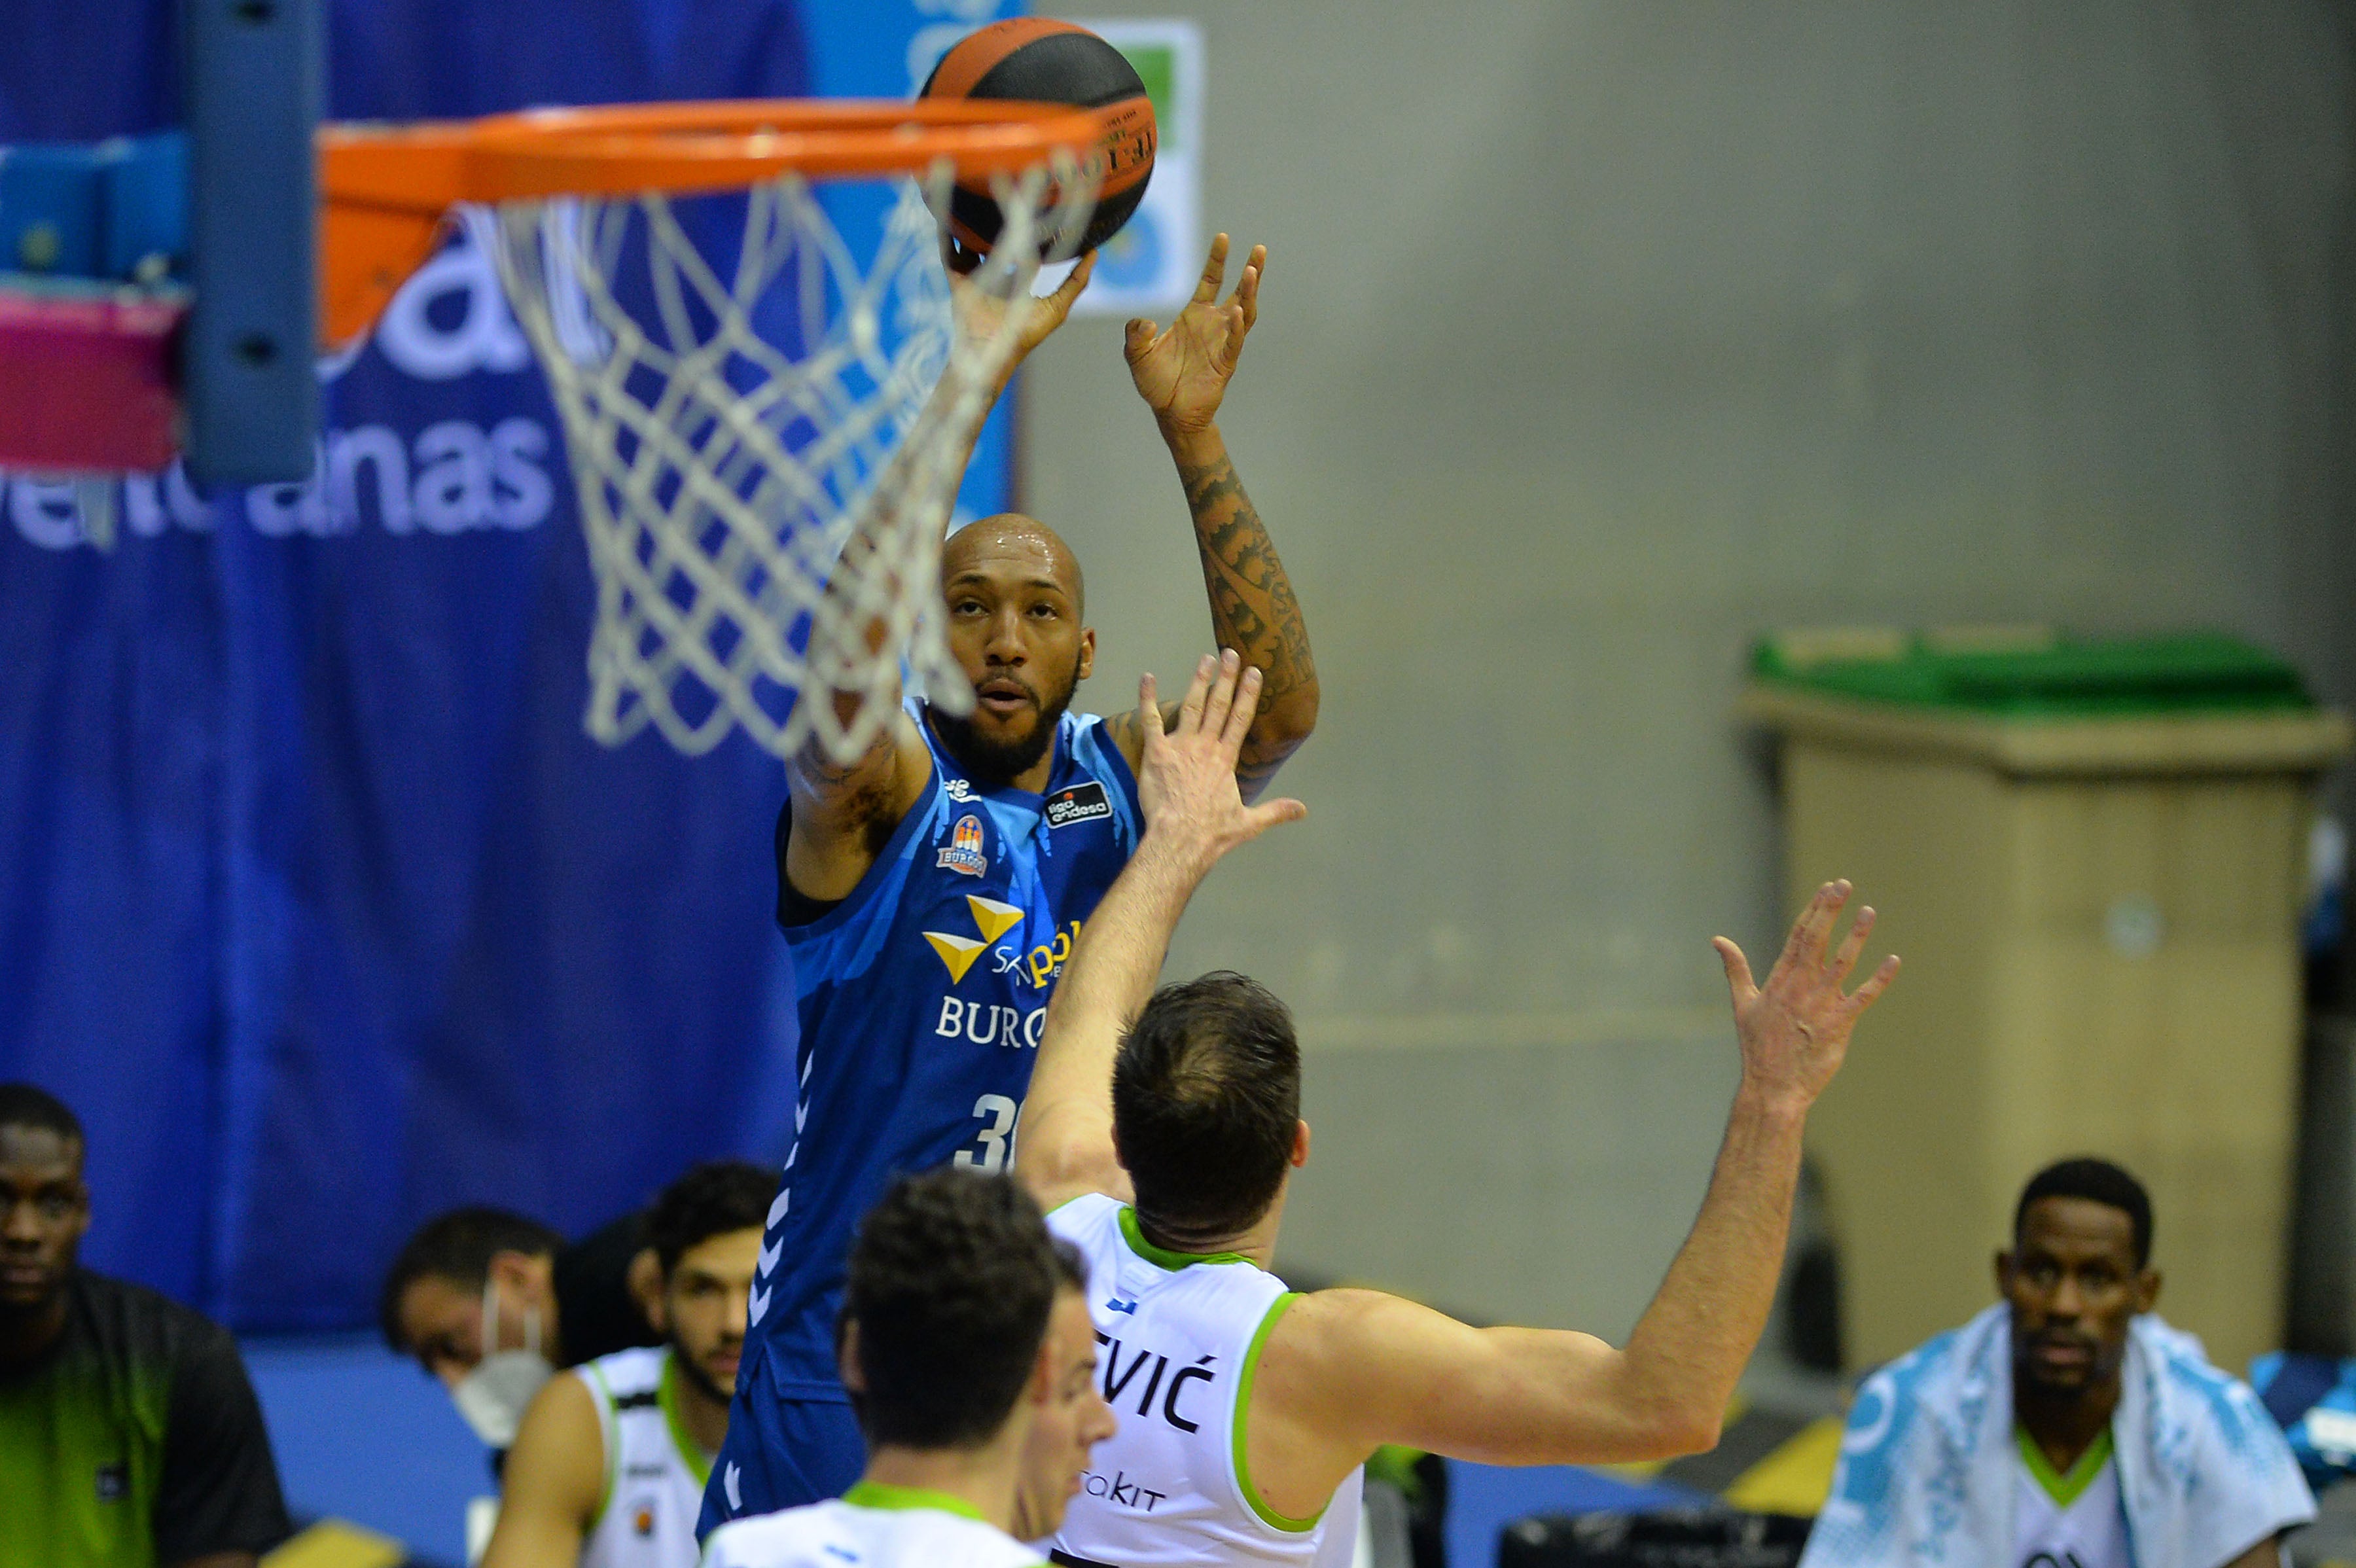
x,y
966,1346
492,1304
2066,1426
930,891
608,1469
1246,1410
128,1431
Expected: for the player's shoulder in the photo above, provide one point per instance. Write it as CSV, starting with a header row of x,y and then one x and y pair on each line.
x,y
835,1534
628,1375
1081,1218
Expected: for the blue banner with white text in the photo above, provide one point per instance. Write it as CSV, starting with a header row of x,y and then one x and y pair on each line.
x,y
320,906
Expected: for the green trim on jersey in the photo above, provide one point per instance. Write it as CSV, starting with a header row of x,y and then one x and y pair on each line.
x,y
1162,1257
691,1452
883,1495
1267,1516
609,1431
2064,1489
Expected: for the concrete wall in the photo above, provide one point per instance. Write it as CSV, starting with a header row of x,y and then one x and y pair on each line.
x,y
1599,336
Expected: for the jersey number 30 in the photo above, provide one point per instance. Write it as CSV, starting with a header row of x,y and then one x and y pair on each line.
x,y
995,1139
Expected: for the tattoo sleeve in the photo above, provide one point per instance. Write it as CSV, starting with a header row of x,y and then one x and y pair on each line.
x,y
1254,612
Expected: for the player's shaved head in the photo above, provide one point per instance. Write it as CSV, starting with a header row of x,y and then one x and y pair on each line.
x,y
993,540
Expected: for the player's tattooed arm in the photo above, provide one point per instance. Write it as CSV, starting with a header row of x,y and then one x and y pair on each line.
x,y
1183,375
1188,785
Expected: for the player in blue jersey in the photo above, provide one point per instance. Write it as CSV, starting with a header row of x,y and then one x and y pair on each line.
x,y
931,890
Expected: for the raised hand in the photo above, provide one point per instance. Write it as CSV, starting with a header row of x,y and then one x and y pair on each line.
x,y
979,312
1186,777
1183,373
1794,1029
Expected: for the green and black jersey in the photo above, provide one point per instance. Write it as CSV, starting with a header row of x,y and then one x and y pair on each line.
x,y
135,1440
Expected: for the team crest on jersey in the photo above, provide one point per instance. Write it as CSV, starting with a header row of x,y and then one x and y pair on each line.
x,y
991,917
964,853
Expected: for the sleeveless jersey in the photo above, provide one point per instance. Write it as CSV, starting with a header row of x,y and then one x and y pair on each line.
x,y
922,999
654,1472
1178,1336
868,1526
2076,1520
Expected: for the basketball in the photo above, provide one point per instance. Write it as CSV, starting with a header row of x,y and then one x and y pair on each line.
x,y
1036,59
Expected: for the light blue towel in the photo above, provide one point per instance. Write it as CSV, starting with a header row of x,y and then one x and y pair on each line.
x,y
1926,1469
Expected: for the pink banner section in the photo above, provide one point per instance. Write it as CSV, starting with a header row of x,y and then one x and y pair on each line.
x,y
85,383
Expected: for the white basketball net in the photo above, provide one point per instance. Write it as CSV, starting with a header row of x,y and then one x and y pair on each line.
x,y
721,470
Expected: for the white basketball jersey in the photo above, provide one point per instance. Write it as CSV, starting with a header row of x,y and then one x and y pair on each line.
x,y
2067,1521
653,1471
1178,1336
868,1526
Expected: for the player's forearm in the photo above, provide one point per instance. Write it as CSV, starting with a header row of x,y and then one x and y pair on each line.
x,y
1688,1351
1253,610
1111,974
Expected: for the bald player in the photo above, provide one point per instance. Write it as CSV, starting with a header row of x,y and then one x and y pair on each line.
x,y
931,890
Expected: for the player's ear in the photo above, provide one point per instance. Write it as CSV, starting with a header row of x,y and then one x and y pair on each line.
x,y
2004,1272
1087,653
523,1276
1300,1155
2147,1290
846,1358
645,1280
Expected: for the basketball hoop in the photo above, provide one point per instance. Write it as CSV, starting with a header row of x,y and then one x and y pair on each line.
x,y
720,466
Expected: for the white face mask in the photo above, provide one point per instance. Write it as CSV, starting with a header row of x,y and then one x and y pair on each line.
x,y
492,1396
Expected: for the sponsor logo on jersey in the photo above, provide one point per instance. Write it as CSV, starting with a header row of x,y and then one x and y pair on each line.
x,y
644,1521
113,1482
957,789
1117,1304
991,1024
1120,1491
1046,961
964,853
1079,803
992,918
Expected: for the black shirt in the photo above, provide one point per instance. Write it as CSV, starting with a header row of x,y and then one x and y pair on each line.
x,y
134,1439
596,1313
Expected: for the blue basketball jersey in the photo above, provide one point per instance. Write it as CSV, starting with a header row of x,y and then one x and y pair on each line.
x,y
922,999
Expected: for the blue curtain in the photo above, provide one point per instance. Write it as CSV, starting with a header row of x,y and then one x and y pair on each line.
x,y
315,902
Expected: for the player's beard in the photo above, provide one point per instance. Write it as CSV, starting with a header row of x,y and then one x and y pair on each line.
x,y
994,763
692,1370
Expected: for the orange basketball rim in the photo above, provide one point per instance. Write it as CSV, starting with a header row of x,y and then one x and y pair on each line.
x,y
384,190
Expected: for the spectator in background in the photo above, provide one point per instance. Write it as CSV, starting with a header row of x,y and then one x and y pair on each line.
x,y
2066,1424
609,1465
493,1303
128,1432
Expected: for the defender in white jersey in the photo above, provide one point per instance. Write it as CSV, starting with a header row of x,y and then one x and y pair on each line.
x,y
609,1464
965,1345
1163,1132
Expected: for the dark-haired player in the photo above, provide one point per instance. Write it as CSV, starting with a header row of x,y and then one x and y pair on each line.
x,y
1251,1409
931,891
2066,1426
608,1468
128,1432
493,1303
966,1346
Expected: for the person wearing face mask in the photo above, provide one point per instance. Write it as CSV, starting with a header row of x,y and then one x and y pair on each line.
x,y
129,1435
493,1304
2066,1426
608,1466
966,1347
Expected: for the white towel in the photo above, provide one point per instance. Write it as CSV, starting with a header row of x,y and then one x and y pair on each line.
x,y
1925,1475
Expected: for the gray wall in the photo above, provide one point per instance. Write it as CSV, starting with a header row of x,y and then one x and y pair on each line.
x,y
1597,337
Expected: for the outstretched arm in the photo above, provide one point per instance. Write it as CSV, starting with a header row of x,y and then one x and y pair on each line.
x,y
1183,375
1194,815
1345,1372
833,806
